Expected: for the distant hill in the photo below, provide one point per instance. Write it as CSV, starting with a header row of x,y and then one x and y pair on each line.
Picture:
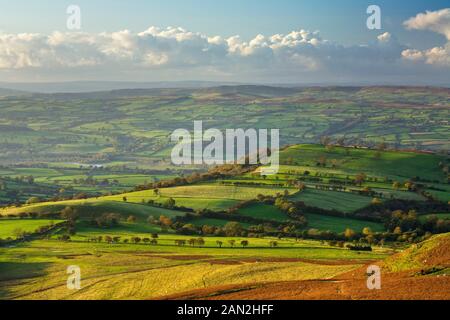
x,y
95,86
10,92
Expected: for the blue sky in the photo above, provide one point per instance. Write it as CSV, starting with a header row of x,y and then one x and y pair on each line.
x,y
342,22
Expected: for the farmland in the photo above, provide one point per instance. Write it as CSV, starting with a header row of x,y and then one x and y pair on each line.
x,y
105,267
8,227
363,179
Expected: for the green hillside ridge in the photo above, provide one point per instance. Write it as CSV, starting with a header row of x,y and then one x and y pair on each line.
x,y
432,253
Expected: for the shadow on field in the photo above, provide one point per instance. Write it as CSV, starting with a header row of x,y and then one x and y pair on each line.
x,y
12,272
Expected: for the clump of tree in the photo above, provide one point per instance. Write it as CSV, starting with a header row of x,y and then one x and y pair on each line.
x,y
106,220
405,221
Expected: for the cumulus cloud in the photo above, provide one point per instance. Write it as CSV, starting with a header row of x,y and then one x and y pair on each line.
x,y
435,21
175,53
385,37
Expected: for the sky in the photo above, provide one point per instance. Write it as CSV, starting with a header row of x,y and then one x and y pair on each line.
x,y
265,41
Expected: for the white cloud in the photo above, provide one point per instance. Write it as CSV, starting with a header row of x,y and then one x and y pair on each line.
x,y
436,21
385,37
175,53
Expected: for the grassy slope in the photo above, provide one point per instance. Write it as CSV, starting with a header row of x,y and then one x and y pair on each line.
x,y
433,252
343,201
211,196
263,211
404,165
8,226
445,216
95,207
216,196
339,225
138,271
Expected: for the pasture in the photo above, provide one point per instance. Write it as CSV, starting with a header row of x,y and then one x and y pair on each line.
x,y
204,196
9,226
128,271
339,225
343,201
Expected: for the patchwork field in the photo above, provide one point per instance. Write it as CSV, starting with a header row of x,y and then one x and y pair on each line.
x,y
364,179
209,196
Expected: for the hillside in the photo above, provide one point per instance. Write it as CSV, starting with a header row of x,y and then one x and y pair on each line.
x,y
401,284
322,179
432,255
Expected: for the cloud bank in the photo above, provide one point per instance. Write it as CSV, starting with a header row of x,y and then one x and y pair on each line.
x,y
435,21
177,54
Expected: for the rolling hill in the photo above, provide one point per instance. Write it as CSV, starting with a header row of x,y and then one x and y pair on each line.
x,y
408,282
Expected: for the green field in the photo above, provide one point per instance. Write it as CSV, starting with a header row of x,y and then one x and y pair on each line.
x,y
215,222
143,271
339,225
330,200
209,196
263,211
396,165
102,146
8,226
95,207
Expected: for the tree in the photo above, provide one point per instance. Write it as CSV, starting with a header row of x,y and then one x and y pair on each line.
x,y
360,178
33,200
233,229
136,240
376,201
367,231
180,243
219,243
200,242
349,234
410,186
131,219
396,185
69,214
232,243
18,233
273,244
124,199
244,243
325,140
170,203
208,230
165,221
155,236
